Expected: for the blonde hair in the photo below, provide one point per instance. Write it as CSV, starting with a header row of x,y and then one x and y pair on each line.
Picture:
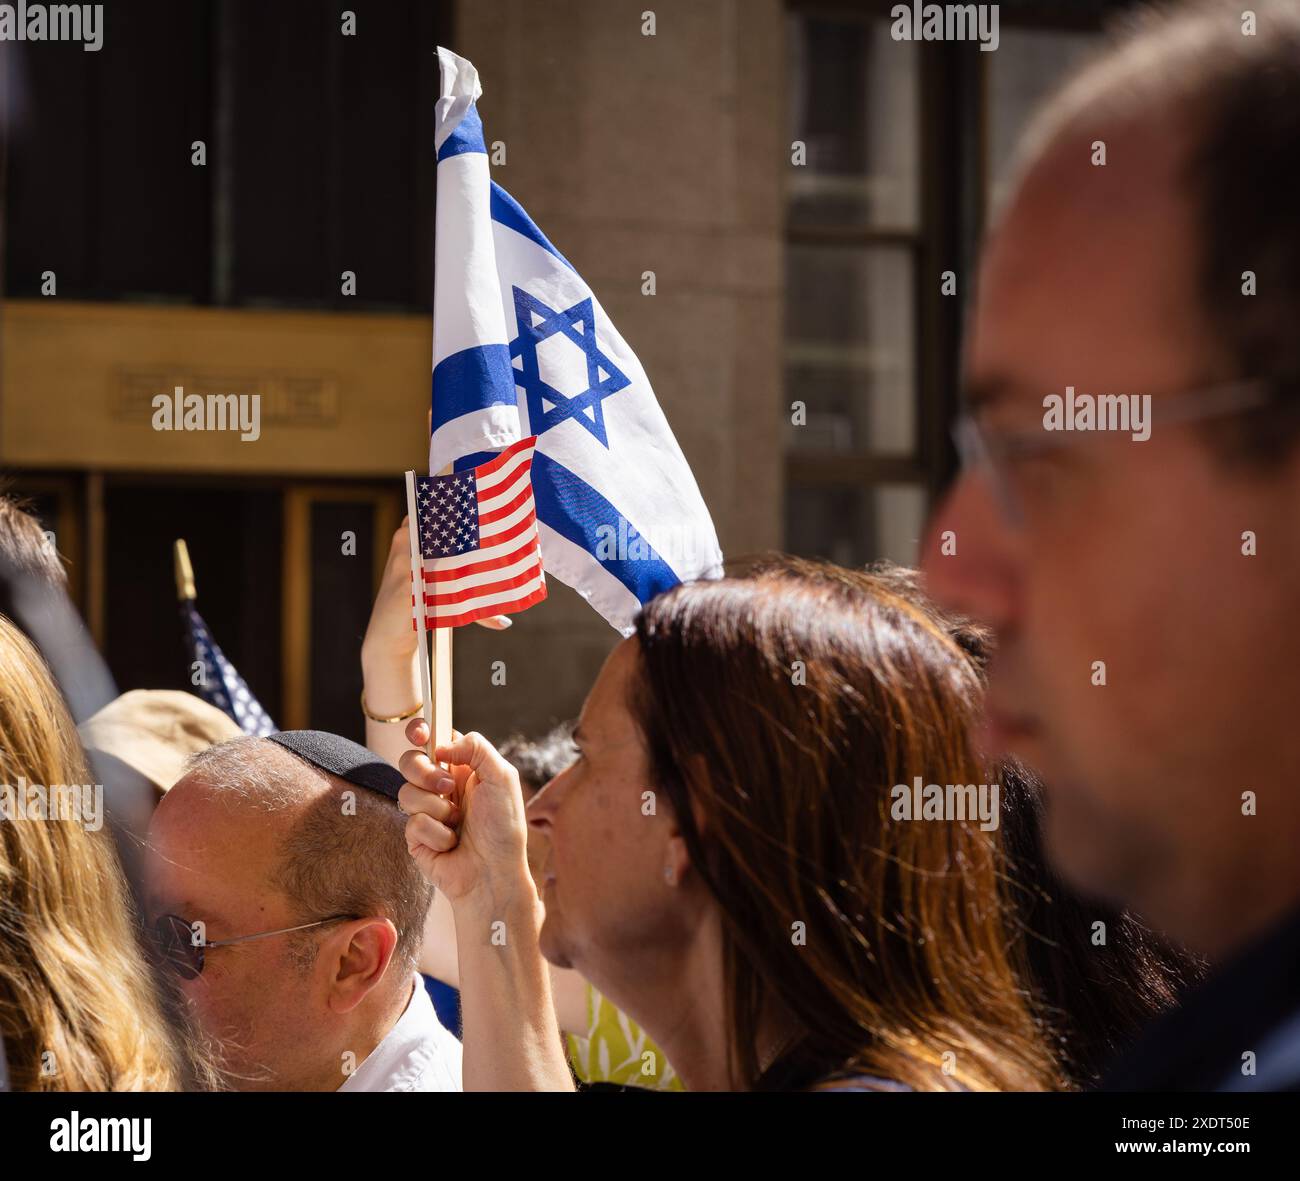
x,y
77,1007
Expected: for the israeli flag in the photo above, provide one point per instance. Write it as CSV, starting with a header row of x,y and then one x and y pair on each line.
x,y
522,347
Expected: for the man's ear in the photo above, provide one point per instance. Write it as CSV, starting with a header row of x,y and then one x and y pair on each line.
x,y
354,959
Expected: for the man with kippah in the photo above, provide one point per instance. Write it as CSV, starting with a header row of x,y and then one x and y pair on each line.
x,y
281,890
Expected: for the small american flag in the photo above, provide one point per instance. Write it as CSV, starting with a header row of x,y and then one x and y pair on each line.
x,y
479,547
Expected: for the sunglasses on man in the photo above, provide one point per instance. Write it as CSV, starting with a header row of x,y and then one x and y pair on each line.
x,y
181,948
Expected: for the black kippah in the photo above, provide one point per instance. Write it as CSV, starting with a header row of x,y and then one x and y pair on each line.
x,y
342,757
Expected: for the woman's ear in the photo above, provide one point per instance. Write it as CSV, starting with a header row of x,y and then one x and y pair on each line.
x,y
677,861
697,781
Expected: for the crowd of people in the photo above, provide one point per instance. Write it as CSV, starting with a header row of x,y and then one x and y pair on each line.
x,y
1023,821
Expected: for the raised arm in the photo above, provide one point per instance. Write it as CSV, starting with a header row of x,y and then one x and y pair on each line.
x,y
438,959
390,670
390,655
468,834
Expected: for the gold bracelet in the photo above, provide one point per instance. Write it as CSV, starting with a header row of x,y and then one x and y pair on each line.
x,y
410,713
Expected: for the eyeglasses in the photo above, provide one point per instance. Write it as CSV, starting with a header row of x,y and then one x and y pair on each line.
x,y
992,452
174,941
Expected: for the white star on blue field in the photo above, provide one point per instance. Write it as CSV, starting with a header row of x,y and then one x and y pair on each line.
x,y
577,324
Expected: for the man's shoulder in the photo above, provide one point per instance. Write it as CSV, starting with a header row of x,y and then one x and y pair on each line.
x,y
1274,1065
433,1065
419,1053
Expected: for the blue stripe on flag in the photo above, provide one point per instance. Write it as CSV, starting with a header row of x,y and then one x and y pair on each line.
x,y
466,462
508,211
468,136
471,380
575,510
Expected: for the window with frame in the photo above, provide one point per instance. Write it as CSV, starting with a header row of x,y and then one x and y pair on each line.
x,y
898,150
854,229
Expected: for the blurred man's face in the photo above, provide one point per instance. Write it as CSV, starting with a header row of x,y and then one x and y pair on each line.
x,y
1130,554
211,863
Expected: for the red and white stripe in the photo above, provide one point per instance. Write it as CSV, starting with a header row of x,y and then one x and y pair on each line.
x,y
504,573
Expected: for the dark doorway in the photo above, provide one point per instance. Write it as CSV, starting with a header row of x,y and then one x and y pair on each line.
x,y
234,535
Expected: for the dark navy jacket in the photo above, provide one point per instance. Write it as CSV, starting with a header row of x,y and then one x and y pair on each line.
x,y
1250,1005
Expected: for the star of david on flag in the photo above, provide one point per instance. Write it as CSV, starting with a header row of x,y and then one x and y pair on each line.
x,y
521,346
547,406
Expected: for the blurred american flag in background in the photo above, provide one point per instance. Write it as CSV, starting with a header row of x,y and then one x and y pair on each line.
x,y
219,683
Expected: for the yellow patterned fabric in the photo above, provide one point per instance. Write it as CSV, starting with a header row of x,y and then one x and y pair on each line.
x,y
616,1050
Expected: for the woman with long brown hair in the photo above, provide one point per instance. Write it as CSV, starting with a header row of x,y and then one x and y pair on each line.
x,y
1093,996
729,862
77,1008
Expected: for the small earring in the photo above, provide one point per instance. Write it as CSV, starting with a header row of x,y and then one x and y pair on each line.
x,y
669,876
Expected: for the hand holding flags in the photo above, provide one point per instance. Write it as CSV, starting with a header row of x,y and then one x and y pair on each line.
x,y
521,347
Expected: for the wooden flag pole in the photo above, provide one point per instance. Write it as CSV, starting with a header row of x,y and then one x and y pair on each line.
x,y
419,614
184,571
442,685
441,674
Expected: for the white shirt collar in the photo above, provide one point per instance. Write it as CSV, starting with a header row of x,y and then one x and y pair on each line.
x,y
418,1054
